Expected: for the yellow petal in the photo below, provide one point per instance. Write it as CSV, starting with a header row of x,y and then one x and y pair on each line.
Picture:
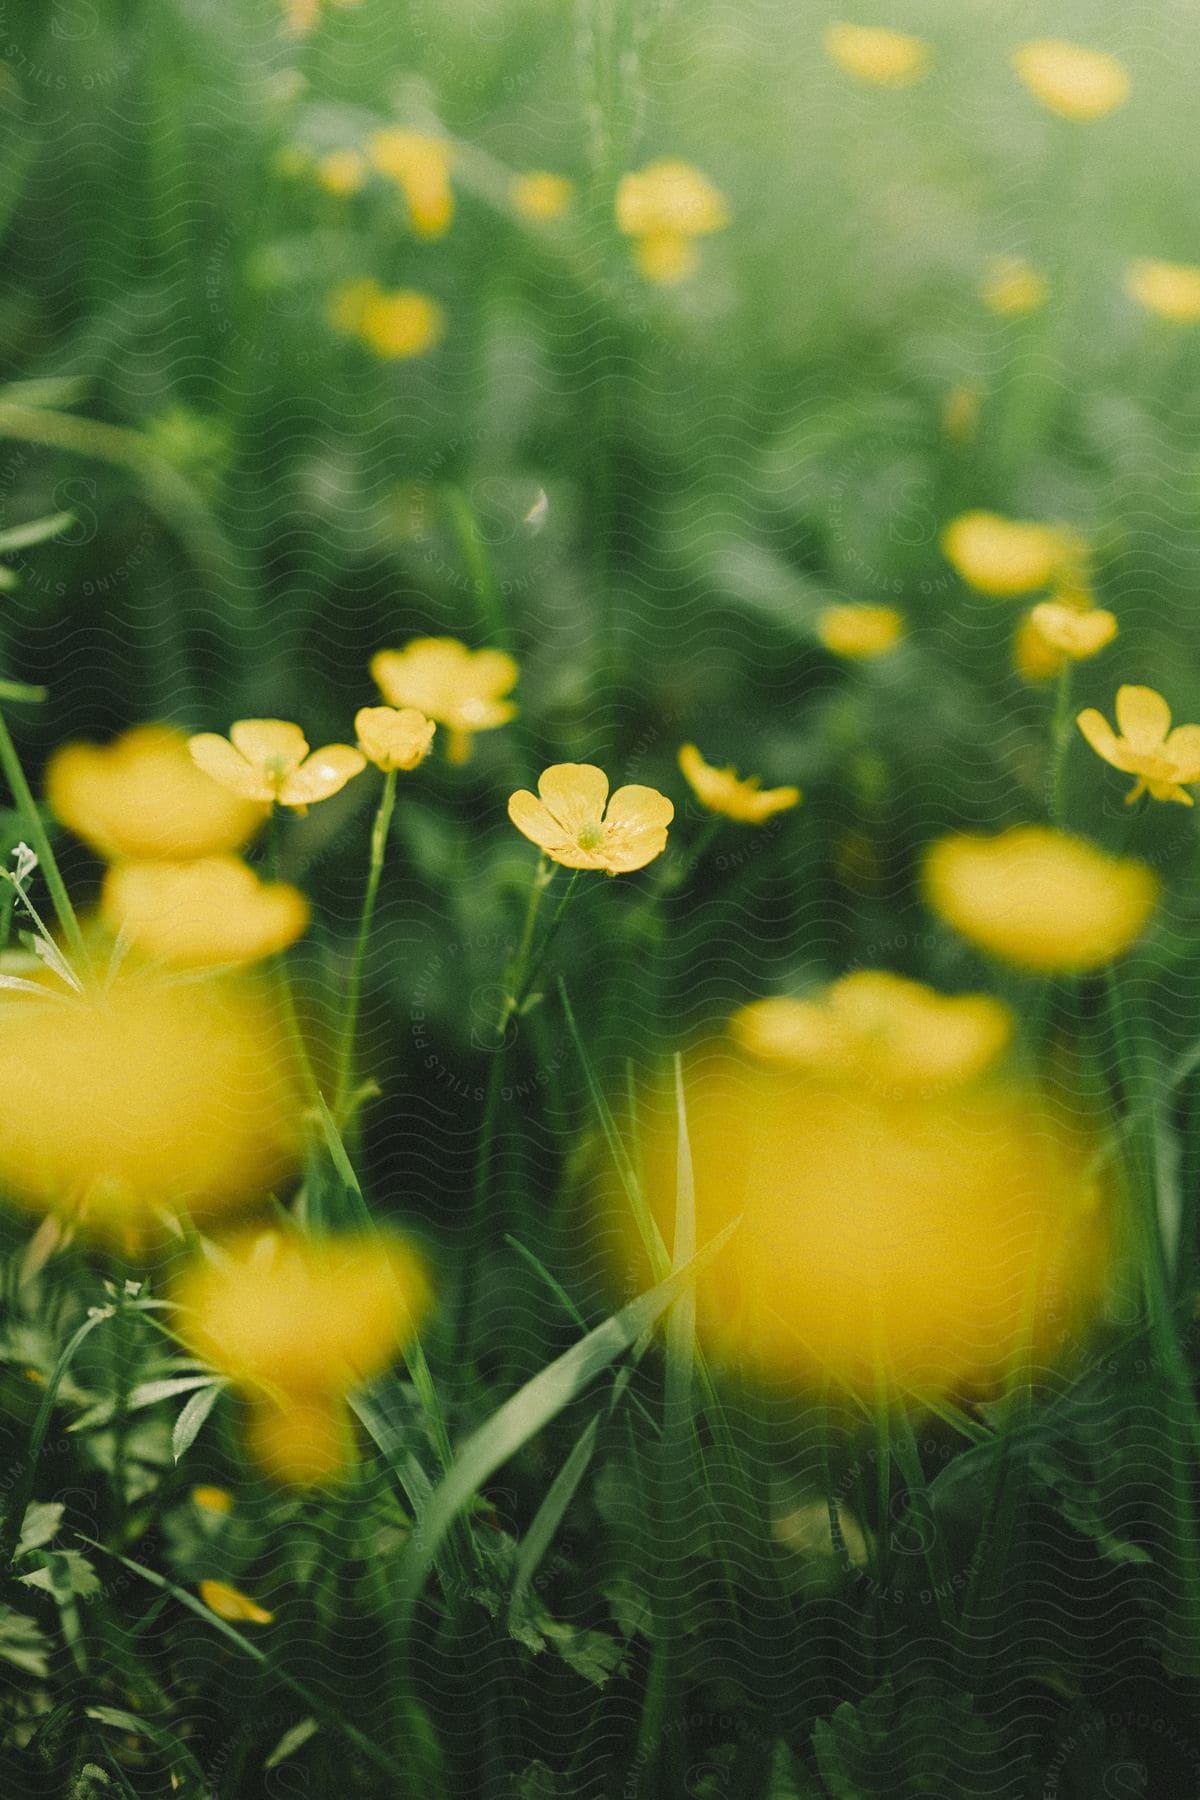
x,y
666,256
1101,736
393,738
1171,290
1183,748
534,819
1078,634
1072,81
213,910
218,758
1143,716
272,745
325,772
635,828
143,796
212,1499
575,794
876,55
230,1603
859,630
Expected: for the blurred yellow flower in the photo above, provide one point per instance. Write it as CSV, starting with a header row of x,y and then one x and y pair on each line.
x,y
880,1029
1006,557
401,323
211,911
393,738
268,760
1012,287
146,1094
1162,759
212,1499
420,167
1038,898
859,630
1171,290
664,207
1073,82
721,791
573,826
542,197
142,796
1075,634
341,172
460,688
230,1603
874,54
302,15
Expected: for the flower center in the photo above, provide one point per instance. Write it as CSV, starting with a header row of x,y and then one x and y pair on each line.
x,y
590,835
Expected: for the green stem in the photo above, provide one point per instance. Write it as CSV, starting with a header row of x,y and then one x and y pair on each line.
x,y
1060,739
524,984
40,841
379,836
478,565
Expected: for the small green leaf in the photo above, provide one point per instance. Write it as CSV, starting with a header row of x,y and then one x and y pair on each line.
x,y
291,1741
191,1419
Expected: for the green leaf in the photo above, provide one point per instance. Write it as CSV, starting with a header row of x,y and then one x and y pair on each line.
x,y
291,1741
192,1417
23,1643
549,1515
36,531
42,1520
182,1761
66,1575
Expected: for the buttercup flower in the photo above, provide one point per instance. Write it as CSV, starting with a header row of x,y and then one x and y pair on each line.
x,y
401,324
460,688
211,911
542,197
722,792
217,1500
572,825
420,167
393,738
1170,290
268,760
1073,82
880,1029
230,1603
142,796
664,208
1012,287
341,172
1039,898
1005,557
1075,634
1162,759
856,630
876,55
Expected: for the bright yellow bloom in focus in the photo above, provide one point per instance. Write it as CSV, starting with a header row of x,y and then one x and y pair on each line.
x,y
542,197
146,1094
876,55
142,796
664,207
931,1242
1012,287
212,1499
400,324
393,738
341,172
460,688
196,914
1073,82
1162,759
573,826
1039,898
880,1029
420,167
722,792
1007,557
230,1603
268,760
859,630
1170,290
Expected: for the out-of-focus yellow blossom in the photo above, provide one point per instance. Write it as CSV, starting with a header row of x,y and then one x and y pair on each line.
x,y
1076,634
211,911
268,760
1073,82
460,688
212,1499
542,197
1170,290
721,791
401,323
1038,898
859,629
393,737
341,172
230,1603
145,1094
1012,287
664,208
929,1242
420,167
1036,658
880,1029
298,1323
874,54
142,796
1162,759
572,824
1007,557
302,15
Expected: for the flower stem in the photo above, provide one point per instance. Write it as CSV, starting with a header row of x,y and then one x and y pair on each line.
x,y
1060,738
543,875
40,841
379,837
525,984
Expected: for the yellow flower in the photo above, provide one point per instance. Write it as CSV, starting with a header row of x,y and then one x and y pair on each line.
x,y
400,324
302,15
460,688
542,197
230,1603
341,172
211,911
1005,557
142,796
721,791
393,738
1012,287
572,825
268,760
1073,82
876,55
146,1094
663,207
1073,633
665,257
1038,898
420,167
1162,759
859,630
880,1029
212,1499
1171,290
